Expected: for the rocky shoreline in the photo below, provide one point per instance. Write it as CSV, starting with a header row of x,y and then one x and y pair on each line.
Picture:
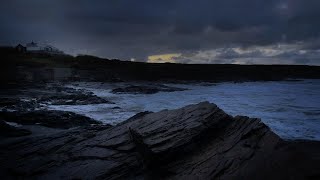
x,y
198,141
33,98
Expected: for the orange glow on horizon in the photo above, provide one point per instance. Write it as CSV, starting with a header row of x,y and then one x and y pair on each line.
x,y
163,58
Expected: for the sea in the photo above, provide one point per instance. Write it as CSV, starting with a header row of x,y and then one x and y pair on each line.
x,y
290,108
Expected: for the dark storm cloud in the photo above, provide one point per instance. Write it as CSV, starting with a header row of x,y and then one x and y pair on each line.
x,y
136,29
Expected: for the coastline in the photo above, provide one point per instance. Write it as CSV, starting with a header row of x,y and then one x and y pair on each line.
x,y
194,141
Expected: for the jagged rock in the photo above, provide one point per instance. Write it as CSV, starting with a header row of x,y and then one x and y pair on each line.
x,y
54,119
50,95
59,95
195,142
151,89
17,104
73,99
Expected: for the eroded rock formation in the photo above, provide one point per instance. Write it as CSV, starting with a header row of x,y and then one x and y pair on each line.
x,y
195,142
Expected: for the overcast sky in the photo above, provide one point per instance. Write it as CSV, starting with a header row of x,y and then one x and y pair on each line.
x,y
185,31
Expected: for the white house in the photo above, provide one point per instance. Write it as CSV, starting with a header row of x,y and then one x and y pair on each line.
x,y
41,48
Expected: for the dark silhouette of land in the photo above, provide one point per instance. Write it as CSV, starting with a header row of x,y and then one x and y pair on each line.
x,y
23,67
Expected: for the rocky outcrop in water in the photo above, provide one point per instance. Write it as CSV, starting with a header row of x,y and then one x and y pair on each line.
x,y
73,99
35,98
146,89
195,142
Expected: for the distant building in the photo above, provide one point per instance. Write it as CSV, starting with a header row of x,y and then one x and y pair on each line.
x,y
20,48
42,49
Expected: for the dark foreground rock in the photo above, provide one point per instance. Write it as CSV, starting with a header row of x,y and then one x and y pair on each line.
x,y
150,89
54,119
195,142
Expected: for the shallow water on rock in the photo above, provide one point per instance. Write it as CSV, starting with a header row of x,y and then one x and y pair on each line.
x,y
290,108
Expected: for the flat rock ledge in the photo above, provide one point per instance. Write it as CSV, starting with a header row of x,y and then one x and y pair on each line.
x,y
48,118
146,89
195,142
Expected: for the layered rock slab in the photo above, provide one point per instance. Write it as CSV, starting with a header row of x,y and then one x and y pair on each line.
x,y
195,142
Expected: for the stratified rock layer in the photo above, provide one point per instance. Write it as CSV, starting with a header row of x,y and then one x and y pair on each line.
x,y
195,142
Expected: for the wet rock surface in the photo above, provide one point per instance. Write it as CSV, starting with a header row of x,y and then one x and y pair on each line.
x,y
145,89
16,104
73,99
32,99
54,119
195,142
69,96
